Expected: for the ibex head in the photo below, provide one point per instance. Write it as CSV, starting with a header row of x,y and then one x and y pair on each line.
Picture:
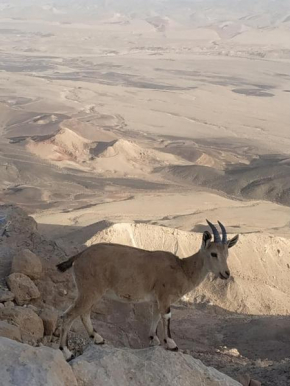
x,y
216,251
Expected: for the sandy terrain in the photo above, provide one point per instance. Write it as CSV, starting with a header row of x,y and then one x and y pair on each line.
x,y
155,120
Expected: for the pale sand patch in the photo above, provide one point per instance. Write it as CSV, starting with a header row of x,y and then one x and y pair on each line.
x,y
180,210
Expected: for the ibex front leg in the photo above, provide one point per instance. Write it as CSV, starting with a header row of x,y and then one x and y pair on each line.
x,y
166,317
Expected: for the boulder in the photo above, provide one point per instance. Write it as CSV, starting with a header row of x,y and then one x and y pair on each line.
x,y
6,296
151,366
247,381
23,288
22,234
23,365
28,263
9,331
29,323
49,318
7,253
9,304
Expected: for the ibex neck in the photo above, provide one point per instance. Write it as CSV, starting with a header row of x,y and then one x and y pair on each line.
x,y
195,268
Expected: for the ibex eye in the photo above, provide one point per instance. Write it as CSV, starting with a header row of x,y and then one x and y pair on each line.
x,y
214,254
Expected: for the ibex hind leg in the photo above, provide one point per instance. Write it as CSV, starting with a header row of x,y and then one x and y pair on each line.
x,y
87,322
80,306
154,340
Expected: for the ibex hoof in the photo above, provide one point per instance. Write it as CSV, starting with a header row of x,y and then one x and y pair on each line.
x,y
175,349
171,345
154,341
98,339
71,358
68,355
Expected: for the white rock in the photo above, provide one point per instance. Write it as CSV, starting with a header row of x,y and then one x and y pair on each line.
x,y
152,366
23,365
49,318
6,296
9,304
30,324
9,331
28,263
23,288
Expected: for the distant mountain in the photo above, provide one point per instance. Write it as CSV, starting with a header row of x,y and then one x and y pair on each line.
x,y
195,13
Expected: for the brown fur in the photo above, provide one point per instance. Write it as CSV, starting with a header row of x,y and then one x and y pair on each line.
x,y
133,273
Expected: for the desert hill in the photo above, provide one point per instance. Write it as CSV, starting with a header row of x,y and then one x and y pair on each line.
x,y
63,146
66,148
198,175
264,178
129,157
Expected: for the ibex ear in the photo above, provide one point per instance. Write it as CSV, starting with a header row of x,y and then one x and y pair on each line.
x,y
233,241
206,237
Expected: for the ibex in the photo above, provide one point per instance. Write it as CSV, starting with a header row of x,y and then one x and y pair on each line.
x,y
133,275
